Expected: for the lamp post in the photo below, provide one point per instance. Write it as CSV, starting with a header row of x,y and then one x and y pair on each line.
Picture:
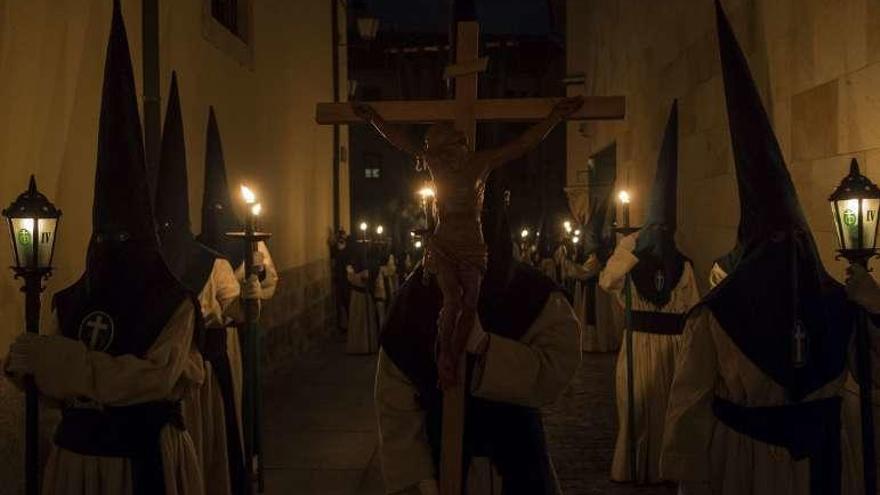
x,y
33,223
854,206
252,392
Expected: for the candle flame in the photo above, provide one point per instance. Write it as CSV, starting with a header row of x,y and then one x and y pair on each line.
x,y
524,233
426,192
567,225
380,229
257,209
577,232
575,239
418,244
623,196
363,226
248,195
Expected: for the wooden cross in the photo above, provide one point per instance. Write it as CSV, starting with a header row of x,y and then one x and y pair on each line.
x,y
466,110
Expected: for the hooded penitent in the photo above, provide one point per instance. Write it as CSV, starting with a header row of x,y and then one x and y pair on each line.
x,y
187,258
778,304
595,238
127,294
511,298
218,216
660,262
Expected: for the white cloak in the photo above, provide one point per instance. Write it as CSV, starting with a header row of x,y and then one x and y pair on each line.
x,y
530,372
654,357
66,370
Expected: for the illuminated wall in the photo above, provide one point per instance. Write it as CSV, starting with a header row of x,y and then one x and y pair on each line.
x,y
816,64
51,63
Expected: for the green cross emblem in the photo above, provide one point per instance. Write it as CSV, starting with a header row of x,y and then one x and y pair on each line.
x,y
24,237
849,218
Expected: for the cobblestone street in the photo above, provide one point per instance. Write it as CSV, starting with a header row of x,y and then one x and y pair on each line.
x,y
320,431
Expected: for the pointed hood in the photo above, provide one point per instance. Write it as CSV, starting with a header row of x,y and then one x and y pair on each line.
x,y
172,190
190,261
496,233
778,304
127,294
661,264
121,206
663,202
218,215
595,226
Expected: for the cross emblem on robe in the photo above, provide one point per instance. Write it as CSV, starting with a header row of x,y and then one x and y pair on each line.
x,y
96,331
465,110
799,342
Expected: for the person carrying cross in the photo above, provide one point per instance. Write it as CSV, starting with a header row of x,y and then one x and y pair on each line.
x,y
456,253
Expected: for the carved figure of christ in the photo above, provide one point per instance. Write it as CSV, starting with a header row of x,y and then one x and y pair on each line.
x,y
456,253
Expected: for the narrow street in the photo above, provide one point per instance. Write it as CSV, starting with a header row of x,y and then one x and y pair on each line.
x,y
321,430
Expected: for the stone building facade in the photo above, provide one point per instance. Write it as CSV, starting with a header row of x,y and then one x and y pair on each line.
x,y
263,84
816,64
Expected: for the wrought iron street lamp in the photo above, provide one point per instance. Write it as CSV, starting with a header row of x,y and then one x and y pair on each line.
x,y
33,226
854,206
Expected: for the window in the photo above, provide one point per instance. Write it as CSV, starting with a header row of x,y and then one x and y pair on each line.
x,y
226,13
228,25
372,166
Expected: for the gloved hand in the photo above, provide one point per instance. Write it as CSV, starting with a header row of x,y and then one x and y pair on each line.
x,y
592,265
862,289
628,243
251,289
259,261
23,354
478,340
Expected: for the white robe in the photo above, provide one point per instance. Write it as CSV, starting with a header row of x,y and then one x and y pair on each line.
x,y
654,357
708,456
605,335
363,332
172,367
203,410
530,372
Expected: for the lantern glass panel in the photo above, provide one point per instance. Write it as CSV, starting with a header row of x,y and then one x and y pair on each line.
x,y
46,230
847,219
23,241
869,222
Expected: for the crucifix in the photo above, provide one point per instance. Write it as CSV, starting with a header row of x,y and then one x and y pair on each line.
x,y
457,147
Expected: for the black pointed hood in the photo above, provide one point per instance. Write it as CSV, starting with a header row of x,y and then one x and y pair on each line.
x,y
663,202
778,304
594,233
218,215
661,264
127,294
189,260
496,233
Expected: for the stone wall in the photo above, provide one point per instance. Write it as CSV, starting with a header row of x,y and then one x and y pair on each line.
x,y
51,65
816,63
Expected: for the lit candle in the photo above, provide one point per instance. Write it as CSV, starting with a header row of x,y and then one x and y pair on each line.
x,y
250,199
624,198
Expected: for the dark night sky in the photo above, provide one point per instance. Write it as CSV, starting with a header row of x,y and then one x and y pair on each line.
x,y
495,16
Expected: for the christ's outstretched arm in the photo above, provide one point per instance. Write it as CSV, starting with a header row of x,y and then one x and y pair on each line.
x,y
394,135
532,137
